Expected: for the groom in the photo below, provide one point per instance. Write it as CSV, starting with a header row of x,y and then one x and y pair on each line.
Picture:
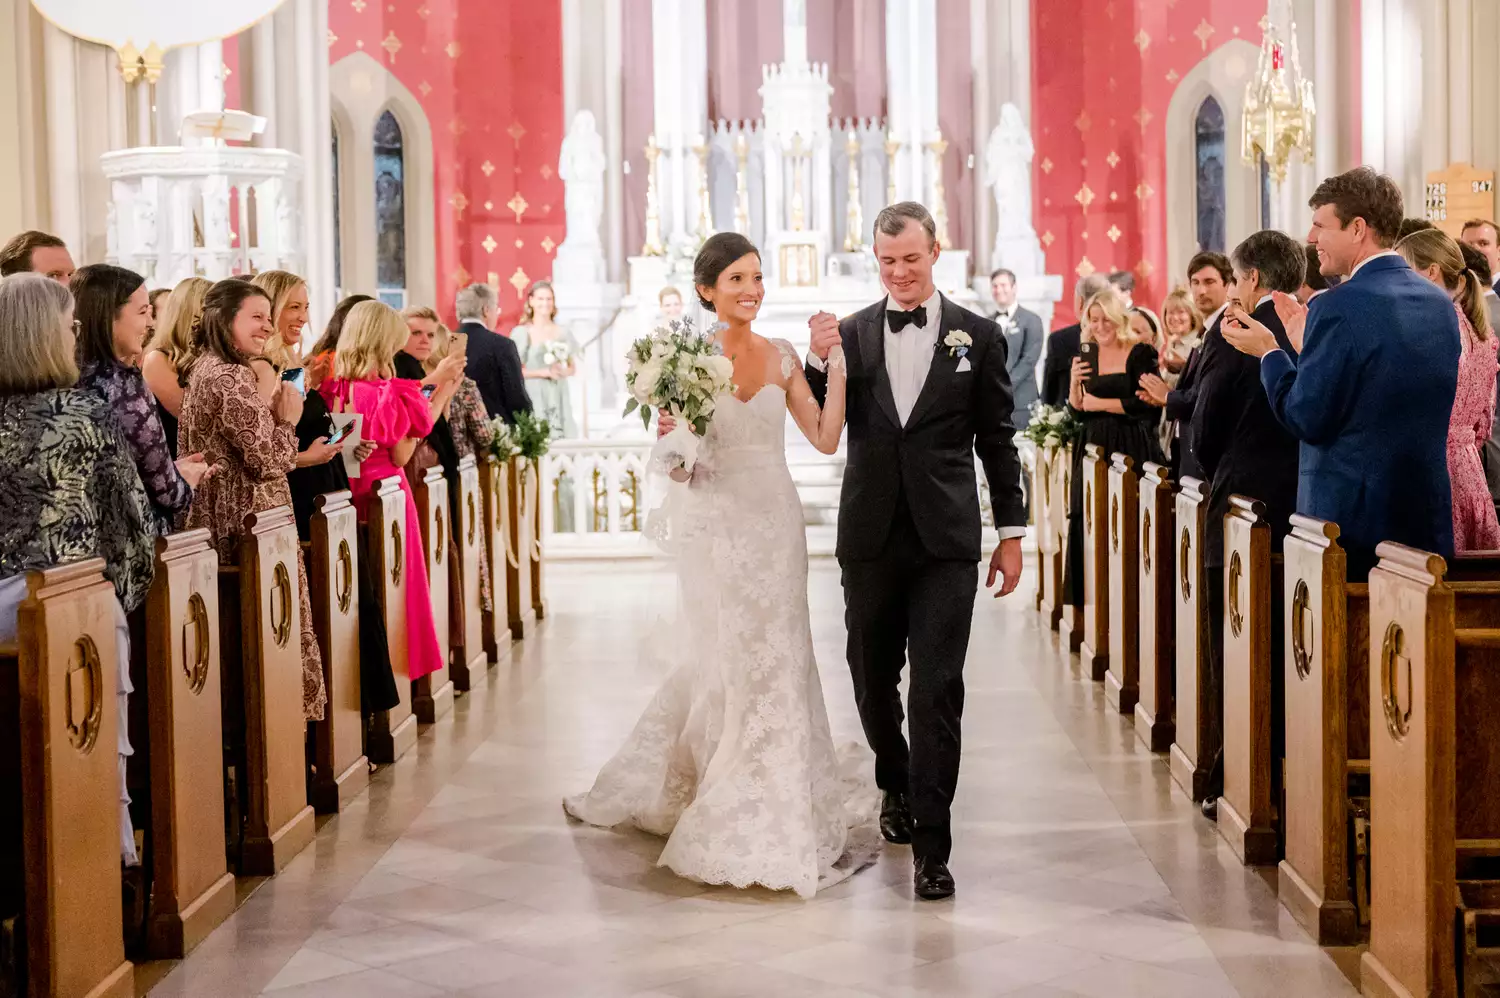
x,y
927,390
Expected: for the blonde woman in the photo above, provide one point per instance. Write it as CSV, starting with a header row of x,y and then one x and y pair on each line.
x,y
549,357
1183,324
170,350
396,418
1102,393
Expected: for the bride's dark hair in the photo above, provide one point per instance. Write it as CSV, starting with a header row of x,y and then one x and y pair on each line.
x,y
718,254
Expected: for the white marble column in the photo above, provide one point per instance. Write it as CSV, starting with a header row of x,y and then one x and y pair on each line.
x,y
912,93
1394,50
1460,65
592,80
679,39
314,143
1000,55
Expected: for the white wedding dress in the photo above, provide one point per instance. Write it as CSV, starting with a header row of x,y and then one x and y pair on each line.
x,y
733,760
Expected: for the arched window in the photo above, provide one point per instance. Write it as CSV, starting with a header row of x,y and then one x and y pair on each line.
x,y
338,236
1265,191
1212,211
390,213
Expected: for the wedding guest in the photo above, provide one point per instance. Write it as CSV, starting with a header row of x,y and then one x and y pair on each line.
x,y
37,253
549,356
1242,449
1481,234
1062,345
1147,326
1490,453
1024,338
114,317
670,300
1124,282
170,348
158,296
492,359
1182,327
249,442
1313,282
396,418
1372,388
1436,256
71,487
1410,225
323,350
1104,400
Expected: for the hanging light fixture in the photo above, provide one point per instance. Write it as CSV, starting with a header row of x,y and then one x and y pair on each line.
x,y
1279,109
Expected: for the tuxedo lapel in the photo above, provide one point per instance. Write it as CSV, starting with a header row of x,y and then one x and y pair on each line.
x,y
872,355
941,372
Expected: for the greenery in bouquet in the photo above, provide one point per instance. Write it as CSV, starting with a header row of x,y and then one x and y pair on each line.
x,y
532,436
1052,426
680,370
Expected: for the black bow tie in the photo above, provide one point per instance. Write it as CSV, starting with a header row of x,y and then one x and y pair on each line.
x,y
899,320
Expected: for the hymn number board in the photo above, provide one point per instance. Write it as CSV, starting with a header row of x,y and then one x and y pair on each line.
x,y
1458,193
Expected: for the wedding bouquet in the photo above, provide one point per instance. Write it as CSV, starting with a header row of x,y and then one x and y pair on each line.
x,y
556,352
502,440
683,372
532,436
1052,426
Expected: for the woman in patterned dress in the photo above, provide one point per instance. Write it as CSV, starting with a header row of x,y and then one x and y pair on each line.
x,y
1435,255
71,487
250,443
114,317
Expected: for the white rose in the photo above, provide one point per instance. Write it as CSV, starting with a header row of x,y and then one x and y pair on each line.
x,y
1057,418
722,367
647,377
1053,440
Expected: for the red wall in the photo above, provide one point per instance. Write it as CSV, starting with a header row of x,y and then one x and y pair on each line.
x,y
1087,58
489,76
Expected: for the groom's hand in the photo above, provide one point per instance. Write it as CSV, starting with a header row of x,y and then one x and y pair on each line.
x,y
824,327
1006,562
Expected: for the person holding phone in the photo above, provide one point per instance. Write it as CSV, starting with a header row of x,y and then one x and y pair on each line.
x,y
1102,393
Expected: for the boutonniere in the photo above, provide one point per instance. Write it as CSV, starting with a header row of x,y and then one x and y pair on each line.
x,y
958,343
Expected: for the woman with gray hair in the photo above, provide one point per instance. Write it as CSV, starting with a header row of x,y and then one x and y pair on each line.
x,y
71,487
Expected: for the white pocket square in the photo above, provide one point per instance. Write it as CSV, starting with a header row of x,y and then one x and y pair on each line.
x,y
963,365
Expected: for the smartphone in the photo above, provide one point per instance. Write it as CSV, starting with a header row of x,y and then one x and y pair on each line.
x,y
1089,352
428,391
459,344
297,377
341,434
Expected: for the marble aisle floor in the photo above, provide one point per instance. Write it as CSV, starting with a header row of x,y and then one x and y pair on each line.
x,y
1081,871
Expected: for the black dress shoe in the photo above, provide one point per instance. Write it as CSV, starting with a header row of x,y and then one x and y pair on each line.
x,y
1210,808
895,819
932,881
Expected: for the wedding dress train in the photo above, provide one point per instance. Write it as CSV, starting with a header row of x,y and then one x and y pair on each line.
x,y
733,760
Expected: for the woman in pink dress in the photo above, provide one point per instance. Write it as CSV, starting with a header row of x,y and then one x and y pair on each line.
x,y
396,418
1434,254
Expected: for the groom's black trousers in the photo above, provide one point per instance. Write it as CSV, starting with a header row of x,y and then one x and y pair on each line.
x,y
907,604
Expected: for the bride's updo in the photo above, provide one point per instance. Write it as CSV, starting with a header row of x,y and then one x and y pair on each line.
x,y
718,254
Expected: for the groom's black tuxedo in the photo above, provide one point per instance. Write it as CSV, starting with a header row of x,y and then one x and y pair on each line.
x,y
930,460
908,543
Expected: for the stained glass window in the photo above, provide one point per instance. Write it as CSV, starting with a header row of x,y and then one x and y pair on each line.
x,y
390,212
338,255
1265,192
1211,199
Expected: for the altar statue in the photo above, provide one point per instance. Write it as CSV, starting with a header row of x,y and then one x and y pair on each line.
x,y
1007,171
581,166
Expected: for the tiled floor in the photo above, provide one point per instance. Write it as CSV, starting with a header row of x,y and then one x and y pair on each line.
x,y
1080,870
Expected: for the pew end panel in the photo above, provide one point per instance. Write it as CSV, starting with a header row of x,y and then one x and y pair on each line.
x,y
1036,462
1070,624
432,694
61,679
1189,767
279,822
1094,652
1122,683
470,658
390,732
1054,531
342,770
521,494
1247,819
192,888
1157,617
538,563
493,484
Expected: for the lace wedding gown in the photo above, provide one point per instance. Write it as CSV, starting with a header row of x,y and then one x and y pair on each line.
x,y
733,760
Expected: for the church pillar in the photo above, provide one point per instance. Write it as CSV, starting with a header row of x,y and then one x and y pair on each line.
x,y
65,181
912,92
23,202
592,77
679,31
1393,99
1001,59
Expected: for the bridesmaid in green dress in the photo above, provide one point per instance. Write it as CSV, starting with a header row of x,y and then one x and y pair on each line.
x,y
548,359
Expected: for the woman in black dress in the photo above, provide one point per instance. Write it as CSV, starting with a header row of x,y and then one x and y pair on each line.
x,y
1105,402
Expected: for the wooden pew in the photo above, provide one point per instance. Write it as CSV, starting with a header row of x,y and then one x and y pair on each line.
x,y
493,482
1070,625
1247,808
1052,529
469,657
342,770
1189,768
1158,619
1122,686
261,651
391,732
59,775
1094,651
1035,461
1434,765
522,491
538,571
192,889
432,694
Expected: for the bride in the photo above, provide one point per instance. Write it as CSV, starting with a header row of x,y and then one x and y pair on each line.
x,y
733,761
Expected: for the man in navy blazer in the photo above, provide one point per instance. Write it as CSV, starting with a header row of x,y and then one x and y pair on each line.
x,y
1371,393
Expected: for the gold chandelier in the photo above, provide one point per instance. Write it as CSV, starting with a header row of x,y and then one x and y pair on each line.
x,y
1279,110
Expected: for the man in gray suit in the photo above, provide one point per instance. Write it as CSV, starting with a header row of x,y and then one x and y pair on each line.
x,y
1023,343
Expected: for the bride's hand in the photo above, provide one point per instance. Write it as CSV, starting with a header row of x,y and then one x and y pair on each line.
x,y
664,423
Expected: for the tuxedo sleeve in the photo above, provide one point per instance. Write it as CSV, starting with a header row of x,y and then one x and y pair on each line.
x,y
994,434
1031,349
